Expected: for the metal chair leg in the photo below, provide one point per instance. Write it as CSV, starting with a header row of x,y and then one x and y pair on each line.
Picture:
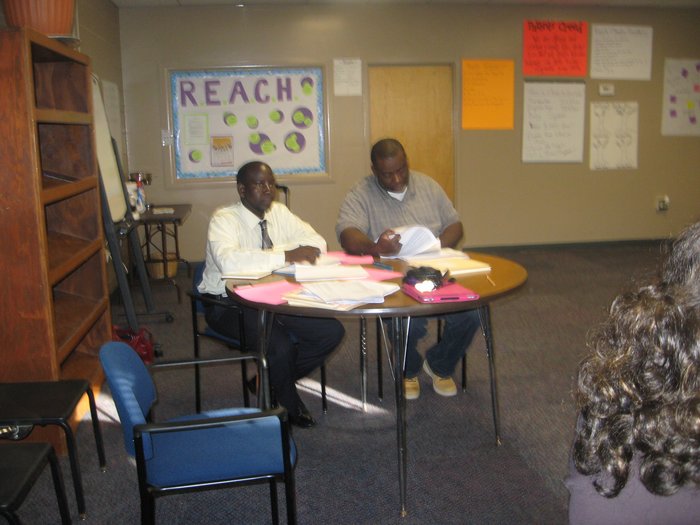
x,y
60,488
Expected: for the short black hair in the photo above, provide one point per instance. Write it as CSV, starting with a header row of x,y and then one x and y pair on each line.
x,y
385,149
245,171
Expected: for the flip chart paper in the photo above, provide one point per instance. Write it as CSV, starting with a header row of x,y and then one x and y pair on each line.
x,y
487,94
621,52
555,48
681,103
553,121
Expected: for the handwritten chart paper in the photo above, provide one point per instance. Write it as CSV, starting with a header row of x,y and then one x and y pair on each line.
x,y
681,103
614,135
553,118
487,94
621,52
555,48
347,77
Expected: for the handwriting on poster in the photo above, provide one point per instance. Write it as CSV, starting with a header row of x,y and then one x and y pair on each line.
x,y
553,119
555,48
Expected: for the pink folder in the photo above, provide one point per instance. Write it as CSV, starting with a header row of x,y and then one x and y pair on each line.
x,y
449,293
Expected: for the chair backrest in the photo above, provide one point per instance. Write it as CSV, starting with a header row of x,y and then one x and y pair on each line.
x,y
132,388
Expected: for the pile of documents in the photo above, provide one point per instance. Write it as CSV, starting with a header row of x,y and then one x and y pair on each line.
x,y
448,259
340,295
415,240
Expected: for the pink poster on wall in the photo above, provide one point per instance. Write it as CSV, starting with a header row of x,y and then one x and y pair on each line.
x,y
553,48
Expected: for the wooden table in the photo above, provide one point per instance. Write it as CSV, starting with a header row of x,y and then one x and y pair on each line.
x,y
505,277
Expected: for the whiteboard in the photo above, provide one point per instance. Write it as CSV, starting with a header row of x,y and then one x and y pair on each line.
x,y
105,157
553,121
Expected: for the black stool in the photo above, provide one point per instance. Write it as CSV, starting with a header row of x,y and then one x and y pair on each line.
x,y
21,464
52,403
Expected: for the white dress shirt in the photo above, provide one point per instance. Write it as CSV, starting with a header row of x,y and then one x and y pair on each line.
x,y
234,242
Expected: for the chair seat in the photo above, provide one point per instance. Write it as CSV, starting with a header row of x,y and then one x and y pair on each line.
x,y
235,450
20,465
39,401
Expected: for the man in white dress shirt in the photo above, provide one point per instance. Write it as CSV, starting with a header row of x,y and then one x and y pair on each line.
x,y
259,233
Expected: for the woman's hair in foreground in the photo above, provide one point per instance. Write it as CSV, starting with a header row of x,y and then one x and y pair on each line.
x,y
639,391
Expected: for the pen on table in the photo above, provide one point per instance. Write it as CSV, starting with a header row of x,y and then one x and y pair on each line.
x,y
488,277
382,266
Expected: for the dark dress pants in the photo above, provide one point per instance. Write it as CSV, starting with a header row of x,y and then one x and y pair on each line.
x,y
297,347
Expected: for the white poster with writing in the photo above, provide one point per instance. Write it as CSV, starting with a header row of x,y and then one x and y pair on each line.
x,y
621,52
614,135
553,121
223,118
681,104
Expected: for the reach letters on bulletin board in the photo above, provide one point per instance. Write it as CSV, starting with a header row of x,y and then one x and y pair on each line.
x,y
223,118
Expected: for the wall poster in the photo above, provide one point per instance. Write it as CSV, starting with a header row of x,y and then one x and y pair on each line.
x,y
223,118
554,48
681,103
614,135
553,121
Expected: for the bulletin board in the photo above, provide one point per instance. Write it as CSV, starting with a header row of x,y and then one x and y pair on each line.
x,y
223,118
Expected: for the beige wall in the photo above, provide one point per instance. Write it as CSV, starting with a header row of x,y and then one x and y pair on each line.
x,y
501,200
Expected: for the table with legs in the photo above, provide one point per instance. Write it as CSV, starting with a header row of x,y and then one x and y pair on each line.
x,y
505,277
161,222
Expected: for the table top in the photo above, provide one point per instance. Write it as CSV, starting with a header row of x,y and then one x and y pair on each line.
x,y
179,214
505,277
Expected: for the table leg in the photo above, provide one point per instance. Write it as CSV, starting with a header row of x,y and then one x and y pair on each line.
x,y
164,247
363,362
485,318
265,320
399,339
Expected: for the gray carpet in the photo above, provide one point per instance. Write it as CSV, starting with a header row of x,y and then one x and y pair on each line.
x,y
347,469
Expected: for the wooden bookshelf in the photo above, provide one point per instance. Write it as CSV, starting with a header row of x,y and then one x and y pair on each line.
x,y
55,313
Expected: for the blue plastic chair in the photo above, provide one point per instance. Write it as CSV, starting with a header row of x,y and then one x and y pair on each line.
x,y
211,450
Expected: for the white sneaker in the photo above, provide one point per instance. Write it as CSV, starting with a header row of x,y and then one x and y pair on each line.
x,y
411,387
445,386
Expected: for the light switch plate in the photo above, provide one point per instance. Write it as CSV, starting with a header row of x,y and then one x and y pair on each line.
x,y
606,89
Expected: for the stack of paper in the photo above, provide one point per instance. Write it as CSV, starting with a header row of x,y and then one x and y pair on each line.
x,y
415,240
448,259
340,295
323,260
246,275
312,272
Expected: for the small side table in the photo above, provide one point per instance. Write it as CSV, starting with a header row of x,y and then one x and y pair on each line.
x,y
164,219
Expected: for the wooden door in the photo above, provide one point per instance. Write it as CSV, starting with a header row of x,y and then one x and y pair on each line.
x,y
414,104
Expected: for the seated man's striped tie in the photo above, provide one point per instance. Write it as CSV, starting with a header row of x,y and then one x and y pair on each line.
x,y
266,241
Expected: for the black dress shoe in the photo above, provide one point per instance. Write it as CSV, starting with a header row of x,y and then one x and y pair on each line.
x,y
301,417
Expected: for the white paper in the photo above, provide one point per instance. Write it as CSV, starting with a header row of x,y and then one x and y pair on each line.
x,y
681,103
415,240
621,52
347,77
553,119
312,272
350,292
614,135
322,260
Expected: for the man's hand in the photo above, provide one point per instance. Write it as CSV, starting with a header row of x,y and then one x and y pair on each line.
x,y
302,254
389,243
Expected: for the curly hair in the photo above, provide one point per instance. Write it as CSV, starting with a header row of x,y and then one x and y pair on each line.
x,y
639,392
682,262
